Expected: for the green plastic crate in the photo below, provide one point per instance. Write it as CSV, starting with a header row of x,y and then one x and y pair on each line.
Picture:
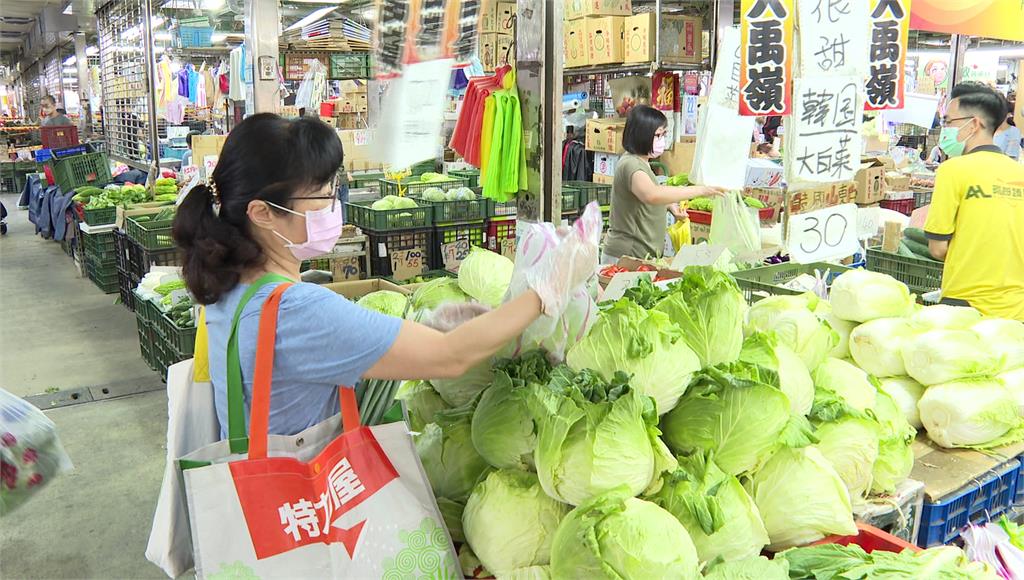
x,y
921,275
474,233
348,65
922,197
413,187
364,180
447,212
502,208
588,192
149,234
182,340
78,170
105,277
472,176
570,199
100,247
422,167
425,277
770,279
361,214
99,216
146,310
146,343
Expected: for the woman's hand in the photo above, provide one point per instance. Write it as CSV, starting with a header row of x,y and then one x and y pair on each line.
x,y
677,212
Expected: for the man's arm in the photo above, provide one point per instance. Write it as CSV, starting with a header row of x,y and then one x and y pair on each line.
x,y
940,225
938,249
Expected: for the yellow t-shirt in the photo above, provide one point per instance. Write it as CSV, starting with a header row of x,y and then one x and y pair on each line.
x,y
978,205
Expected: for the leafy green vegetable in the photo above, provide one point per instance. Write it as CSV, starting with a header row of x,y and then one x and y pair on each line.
x,y
860,295
386,302
701,204
421,403
847,382
850,444
801,498
940,356
593,436
794,380
642,343
838,562
796,325
714,508
615,537
446,451
485,276
906,392
509,521
755,568
504,432
709,308
679,179
465,389
436,292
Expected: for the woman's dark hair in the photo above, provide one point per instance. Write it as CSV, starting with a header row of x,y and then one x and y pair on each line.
x,y
641,124
266,157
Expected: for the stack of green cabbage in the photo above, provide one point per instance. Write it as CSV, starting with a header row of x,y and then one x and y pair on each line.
x,y
957,374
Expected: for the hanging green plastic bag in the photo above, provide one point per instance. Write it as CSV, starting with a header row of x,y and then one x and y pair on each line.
x,y
733,225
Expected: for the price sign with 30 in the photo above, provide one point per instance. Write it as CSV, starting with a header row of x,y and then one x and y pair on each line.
x,y
823,234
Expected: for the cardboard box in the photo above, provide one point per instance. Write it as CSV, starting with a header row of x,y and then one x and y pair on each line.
x,y
488,16
944,471
575,40
810,199
204,145
679,159
604,164
605,40
682,39
331,121
772,197
605,135
494,50
575,9
605,179
355,289
639,38
895,181
763,173
506,50
506,18
870,180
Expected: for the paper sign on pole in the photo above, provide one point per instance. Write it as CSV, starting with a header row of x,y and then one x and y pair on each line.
x,y
823,140
415,102
767,56
824,234
831,41
890,21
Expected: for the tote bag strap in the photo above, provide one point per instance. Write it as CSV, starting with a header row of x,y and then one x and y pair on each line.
x,y
237,439
259,415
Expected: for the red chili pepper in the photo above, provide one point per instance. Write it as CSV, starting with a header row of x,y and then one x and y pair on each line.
x,y
646,268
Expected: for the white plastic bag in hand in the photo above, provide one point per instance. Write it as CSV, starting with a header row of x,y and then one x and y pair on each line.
x,y
733,226
30,451
560,265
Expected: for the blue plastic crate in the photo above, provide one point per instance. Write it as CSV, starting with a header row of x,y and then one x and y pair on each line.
x,y
65,152
984,498
42,155
1018,499
195,36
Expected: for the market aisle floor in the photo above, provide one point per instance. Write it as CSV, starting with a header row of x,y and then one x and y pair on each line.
x,y
59,332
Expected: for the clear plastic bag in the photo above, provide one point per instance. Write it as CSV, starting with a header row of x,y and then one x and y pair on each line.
x,y
733,225
31,454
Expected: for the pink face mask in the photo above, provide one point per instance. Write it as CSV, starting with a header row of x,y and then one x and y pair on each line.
x,y
658,147
323,228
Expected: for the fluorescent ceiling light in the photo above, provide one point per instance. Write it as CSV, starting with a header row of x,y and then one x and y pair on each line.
x,y
218,37
70,61
92,51
212,4
312,17
68,9
162,36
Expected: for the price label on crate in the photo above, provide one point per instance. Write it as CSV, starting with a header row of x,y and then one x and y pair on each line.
x,y
508,248
823,234
407,264
346,268
453,253
361,138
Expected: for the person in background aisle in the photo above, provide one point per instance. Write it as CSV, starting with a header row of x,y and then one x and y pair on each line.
x,y
272,203
48,114
976,220
637,222
186,159
1008,136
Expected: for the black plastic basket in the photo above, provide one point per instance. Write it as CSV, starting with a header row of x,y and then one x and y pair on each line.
x,y
384,244
140,260
474,232
126,285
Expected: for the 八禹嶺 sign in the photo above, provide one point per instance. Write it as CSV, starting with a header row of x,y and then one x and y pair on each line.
x,y
766,29
889,22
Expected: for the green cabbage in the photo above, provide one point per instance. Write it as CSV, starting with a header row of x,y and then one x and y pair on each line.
x,y
465,389
421,402
877,345
944,316
801,498
503,427
389,202
740,417
842,562
941,356
755,568
709,308
594,436
451,513
509,522
386,302
433,194
443,290
859,296
794,322
642,343
485,276
616,537
843,328
970,413
906,392
446,451
851,446
850,384
527,573
794,380
714,508
1004,337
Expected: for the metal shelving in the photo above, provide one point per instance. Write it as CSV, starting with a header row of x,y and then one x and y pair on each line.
x,y
642,67
126,85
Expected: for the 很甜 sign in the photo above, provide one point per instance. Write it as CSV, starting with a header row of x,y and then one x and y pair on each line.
x,y
889,23
766,29
833,41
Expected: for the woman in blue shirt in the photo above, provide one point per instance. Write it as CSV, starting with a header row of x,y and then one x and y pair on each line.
x,y
270,205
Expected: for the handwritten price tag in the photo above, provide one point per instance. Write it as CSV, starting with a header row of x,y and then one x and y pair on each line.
x,y
823,234
361,138
347,268
453,253
407,264
508,248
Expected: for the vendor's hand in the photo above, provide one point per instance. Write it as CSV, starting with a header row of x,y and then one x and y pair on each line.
x,y
678,212
706,191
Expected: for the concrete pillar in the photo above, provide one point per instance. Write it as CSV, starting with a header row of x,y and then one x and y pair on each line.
x,y
262,25
82,66
957,50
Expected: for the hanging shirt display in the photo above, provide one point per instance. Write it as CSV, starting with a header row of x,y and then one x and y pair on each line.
x,y
168,88
193,84
183,82
200,92
236,90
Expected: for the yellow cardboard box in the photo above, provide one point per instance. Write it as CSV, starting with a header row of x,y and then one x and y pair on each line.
x,y
488,16
682,39
870,180
639,38
495,50
575,9
204,145
506,18
605,40
575,39
358,288
605,135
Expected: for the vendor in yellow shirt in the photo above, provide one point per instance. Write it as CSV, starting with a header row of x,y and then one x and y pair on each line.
x,y
976,220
